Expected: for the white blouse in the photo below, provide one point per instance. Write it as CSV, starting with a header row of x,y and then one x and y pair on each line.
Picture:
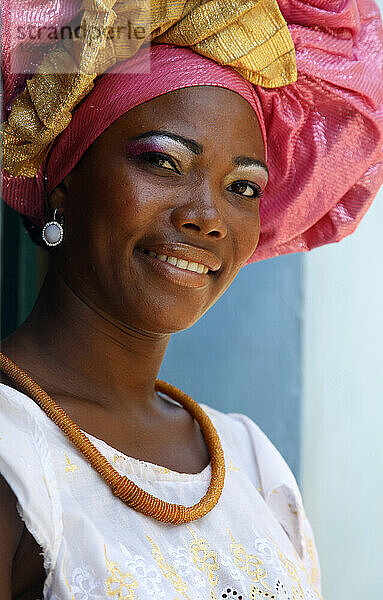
x,y
256,544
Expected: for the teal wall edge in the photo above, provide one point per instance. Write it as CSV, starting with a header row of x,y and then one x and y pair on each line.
x,y
19,271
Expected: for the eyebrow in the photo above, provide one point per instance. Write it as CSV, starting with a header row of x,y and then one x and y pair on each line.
x,y
196,148
190,144
247,161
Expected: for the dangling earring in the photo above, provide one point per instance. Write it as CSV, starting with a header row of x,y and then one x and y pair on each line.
x,y
53,231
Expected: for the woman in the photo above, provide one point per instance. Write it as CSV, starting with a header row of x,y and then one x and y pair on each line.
x,y
158,188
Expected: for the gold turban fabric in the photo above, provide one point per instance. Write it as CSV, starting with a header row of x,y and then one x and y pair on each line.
x,y
251,36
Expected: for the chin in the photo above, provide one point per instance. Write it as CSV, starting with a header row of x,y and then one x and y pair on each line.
x,y
163,311
162,324
161,317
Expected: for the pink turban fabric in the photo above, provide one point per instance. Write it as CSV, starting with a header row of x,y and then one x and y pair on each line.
x,y
323,134
118,91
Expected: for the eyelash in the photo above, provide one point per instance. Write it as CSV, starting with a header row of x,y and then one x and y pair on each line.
x,y
151,157
148,156
256,189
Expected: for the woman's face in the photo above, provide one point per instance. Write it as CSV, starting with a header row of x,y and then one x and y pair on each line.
x,y
178,176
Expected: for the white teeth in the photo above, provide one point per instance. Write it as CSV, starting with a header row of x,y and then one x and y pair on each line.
x,y
179,262
192,266
182,264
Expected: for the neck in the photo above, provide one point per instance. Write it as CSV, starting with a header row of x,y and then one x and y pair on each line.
x,y
87,354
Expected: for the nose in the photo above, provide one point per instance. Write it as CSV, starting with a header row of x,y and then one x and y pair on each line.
x,y
201,215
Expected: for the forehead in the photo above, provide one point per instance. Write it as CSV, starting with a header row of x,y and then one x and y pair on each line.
x,y
212,114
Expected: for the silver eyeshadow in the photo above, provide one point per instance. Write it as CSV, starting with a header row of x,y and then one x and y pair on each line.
x,y
162,144
253,174
175,146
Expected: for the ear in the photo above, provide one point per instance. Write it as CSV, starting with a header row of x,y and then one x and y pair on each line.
x,y
56,199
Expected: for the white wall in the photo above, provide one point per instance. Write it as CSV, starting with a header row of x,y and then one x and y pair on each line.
x,y
342,420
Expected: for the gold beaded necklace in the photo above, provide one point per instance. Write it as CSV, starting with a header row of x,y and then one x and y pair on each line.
x,y
127,491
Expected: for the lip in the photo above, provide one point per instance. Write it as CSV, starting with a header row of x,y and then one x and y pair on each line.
x,y
182,277
186,252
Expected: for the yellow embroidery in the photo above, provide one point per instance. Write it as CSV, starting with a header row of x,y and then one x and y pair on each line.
x,y
70,468
291,568
293,574
68,586
292,508
249,563
298,593
119,585
232,467
168,571
66,580
117,457
257,594
314,575
204,559
162,469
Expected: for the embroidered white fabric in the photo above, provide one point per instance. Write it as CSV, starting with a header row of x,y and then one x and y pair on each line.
x,y
255,544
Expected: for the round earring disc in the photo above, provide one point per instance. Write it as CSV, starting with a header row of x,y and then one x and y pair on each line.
x,y
52,233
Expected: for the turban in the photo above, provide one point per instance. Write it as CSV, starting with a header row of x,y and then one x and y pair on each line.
x,y
312,75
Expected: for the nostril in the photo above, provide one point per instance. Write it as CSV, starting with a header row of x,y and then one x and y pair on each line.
x,y
191,226
212,233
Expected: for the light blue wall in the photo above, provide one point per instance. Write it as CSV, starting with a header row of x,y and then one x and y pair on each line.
x,y
244,354
342,410
342,430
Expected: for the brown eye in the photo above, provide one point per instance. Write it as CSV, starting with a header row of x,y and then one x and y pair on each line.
x,y
247,189
160,160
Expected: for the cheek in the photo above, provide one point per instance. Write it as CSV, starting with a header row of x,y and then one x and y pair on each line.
x,y
109,207
257,233
247,236
129,201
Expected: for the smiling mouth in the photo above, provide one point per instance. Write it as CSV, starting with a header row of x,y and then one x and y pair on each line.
x,y
180,263
186,274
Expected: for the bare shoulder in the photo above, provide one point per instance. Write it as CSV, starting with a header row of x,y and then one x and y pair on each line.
x,y
11,529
